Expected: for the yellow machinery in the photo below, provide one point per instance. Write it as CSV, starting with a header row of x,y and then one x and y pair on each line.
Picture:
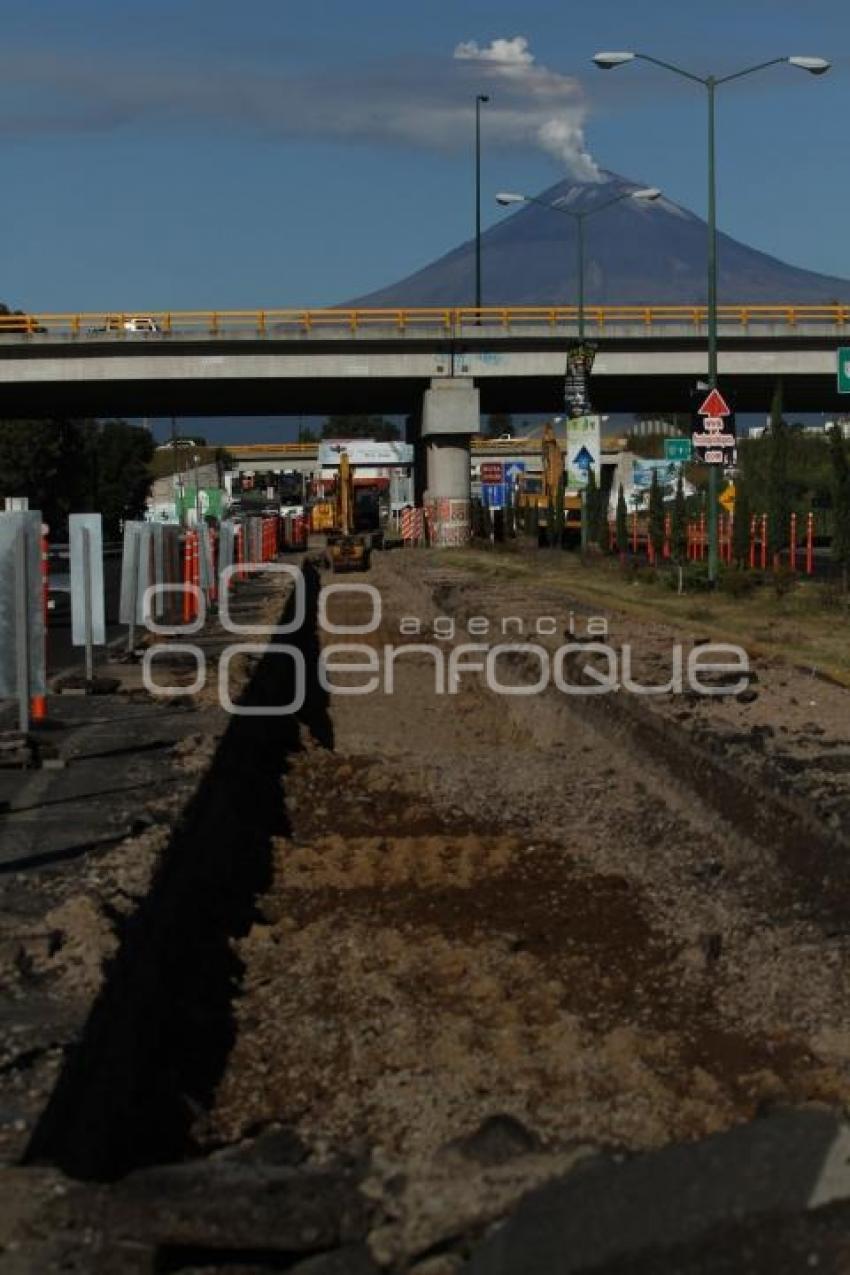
x,y
346,550
542,494
322,515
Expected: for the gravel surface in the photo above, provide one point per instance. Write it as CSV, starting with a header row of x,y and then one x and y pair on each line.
x,y
448,949
494,907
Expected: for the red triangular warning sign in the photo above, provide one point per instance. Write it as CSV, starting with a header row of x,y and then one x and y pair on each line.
x,y
714,405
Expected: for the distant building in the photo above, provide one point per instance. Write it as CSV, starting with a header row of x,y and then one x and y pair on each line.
x,y
843,423
660,426
819,430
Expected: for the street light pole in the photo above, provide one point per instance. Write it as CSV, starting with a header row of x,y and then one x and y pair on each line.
x,y
713,545
579,216
480,97
815,66
580,243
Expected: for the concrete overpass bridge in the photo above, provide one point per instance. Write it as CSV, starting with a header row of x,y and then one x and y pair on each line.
x,y
280,362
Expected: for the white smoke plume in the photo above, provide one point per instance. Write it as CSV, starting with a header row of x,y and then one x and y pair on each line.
x,y
542,106
424,103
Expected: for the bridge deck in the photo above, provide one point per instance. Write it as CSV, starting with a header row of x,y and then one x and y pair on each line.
x,y
495,322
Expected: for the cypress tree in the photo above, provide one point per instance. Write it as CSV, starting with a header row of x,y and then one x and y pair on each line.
x,y
656,516
622,522
840,502
679,524
591,498
741,523
778,492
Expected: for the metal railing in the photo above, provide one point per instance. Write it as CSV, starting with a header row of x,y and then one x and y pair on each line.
x,y
282,324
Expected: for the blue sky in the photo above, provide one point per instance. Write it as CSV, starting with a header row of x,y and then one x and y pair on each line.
x,y
192,154
201,153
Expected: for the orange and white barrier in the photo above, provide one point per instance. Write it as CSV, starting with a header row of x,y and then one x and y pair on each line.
x,y
412,526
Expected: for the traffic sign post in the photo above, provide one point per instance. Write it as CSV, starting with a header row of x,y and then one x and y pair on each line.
x,y
714,439
677,449
727,499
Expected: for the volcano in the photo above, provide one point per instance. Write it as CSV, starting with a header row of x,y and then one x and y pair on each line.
x,y
636,253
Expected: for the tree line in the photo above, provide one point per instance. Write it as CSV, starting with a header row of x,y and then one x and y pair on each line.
x,y
68,466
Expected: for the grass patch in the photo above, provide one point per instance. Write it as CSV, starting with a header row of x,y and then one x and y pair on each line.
x,y
801,624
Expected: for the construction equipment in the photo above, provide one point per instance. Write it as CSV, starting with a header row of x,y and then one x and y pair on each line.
x,y
333,524
552,511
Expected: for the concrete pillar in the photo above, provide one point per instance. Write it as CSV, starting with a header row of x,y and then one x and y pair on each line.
x,y
450,416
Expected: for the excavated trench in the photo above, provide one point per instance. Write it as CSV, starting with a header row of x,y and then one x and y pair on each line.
x,y
161,1029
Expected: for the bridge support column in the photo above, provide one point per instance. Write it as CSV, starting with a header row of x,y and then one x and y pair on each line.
x,y
450,417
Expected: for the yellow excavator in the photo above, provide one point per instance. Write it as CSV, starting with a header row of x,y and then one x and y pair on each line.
x,y
346,550
541,493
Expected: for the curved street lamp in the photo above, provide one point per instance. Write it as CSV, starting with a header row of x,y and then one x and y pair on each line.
x,y
579,215
608,61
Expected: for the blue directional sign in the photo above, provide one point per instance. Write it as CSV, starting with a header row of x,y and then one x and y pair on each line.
x,y
493,495
583,460
513,470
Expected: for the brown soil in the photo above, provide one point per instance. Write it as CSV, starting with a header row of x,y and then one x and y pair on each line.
x,y
493,906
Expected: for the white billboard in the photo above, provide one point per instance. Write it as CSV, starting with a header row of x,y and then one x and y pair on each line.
x,y
364,451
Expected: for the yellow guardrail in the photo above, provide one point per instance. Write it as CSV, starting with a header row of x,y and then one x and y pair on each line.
x,y
451,321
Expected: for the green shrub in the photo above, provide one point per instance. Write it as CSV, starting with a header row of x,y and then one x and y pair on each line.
x,y
784,581
737,583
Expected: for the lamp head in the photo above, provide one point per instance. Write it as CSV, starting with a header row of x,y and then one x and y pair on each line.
x,y
815,66
647,194
607,61
508,197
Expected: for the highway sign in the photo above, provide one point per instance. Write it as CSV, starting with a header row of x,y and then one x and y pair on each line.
x,y
843,369
727,499
677,449
583,449
714,439
493,495
513,469
491,471
714,405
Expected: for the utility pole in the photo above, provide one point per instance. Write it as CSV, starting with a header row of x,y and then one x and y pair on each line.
x,y
480,97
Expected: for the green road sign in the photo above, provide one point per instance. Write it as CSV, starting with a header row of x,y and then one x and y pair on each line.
x,y
678,448
843,369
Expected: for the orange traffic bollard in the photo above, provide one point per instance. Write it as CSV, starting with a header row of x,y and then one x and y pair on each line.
x,y
810,544
752,542
187,577
38,703
792,556
239,550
